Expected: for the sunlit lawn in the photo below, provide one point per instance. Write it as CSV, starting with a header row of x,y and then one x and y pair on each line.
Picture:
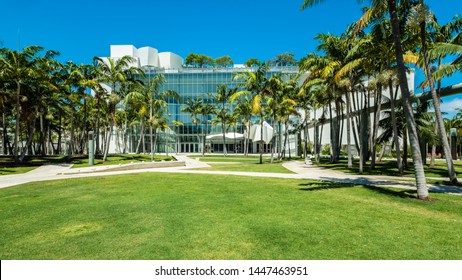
x,y
120,159
16,170
192,216
242,163
389,167
9,167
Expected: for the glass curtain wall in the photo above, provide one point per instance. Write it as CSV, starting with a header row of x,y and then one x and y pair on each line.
x,y
195,83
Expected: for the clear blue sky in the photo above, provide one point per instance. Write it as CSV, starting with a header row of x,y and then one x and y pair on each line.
x,y
241,29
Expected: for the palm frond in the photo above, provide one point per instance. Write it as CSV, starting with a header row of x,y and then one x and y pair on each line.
x,y
445,70
441,50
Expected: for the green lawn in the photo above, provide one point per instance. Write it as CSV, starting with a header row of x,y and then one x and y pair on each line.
x,y
388,167
15,170
191,216
248,167
241,163
249,163
119,159
9,167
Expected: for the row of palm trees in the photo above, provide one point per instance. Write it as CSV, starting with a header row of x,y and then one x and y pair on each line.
x,y
390,35
46,104
50,107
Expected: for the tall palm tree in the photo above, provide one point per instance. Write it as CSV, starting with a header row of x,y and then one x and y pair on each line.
x,y
18,66
419,18
206,110
193,107
223,96
256,84
114,72
441,50
177,124
441,34
390,6
157,102
243,111
223,118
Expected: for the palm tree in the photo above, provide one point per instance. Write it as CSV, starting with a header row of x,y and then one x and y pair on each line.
x,y
193,107
157,102
441,34
223,96
441,50
390,6
18,66
421,14
205,111
256,84
177,124
222,118
72,79
243,111
114,72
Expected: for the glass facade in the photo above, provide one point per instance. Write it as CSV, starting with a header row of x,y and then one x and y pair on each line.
x,y
195,83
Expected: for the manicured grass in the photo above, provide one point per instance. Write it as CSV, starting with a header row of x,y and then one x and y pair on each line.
x,y
191,216
389,168
230,158
248,167
119,159
9,167
16,170
242,163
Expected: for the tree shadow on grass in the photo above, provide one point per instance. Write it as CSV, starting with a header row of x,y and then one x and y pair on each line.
x,y
349,183
402,193
324,185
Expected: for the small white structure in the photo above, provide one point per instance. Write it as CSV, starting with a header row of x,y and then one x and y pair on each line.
x,y
169,60
255,133
228,136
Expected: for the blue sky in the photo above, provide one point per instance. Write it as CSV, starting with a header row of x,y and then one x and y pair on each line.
x,y
241,29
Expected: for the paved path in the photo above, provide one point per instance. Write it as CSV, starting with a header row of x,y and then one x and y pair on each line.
x,y
301,171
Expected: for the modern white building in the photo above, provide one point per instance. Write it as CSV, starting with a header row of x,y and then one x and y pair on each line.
x,y
189,83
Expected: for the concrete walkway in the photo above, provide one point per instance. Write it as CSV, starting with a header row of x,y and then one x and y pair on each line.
x,y
301,171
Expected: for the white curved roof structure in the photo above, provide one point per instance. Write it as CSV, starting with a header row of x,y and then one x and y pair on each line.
x,y
148,56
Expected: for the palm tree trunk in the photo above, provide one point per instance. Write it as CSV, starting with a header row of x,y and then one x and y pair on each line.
x,y
18,119
108,141
224,138
378,108
437,106
5,134
432,158
97,134
58,149
138,147
151,141
42,136
421,184
348,110
71,140
111,128
395,127
261,139
405,165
